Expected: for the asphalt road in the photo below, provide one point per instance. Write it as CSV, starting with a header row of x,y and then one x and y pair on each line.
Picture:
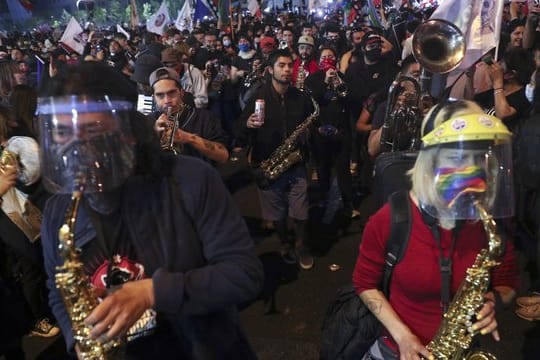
x,y
285,322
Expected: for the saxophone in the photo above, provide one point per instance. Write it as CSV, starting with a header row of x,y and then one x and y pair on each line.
x,y
287,154
454,336
8,160
76,289
301,76
167,137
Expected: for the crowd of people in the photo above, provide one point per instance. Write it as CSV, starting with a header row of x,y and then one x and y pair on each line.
x,y
112,121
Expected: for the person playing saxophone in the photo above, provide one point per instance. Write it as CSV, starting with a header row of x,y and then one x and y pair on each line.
x,y
286,108
464,166
198,131
152,233
305,64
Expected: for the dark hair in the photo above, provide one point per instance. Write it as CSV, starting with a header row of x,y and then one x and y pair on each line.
x,y
331,48
272,59
408,61
95,80
515,24
521,61
412,25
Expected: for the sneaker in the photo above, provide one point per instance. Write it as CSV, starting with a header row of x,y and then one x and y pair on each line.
x,y
44,328
288,254
305,259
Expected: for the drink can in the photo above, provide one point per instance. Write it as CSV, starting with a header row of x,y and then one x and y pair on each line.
x,y
259,110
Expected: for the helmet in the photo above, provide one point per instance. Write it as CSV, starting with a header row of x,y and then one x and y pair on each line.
x,y
467,159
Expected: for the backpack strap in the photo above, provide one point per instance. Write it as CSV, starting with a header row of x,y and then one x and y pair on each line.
x,y
400,231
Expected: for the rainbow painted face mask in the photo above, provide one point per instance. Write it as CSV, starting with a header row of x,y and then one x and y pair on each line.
x,y
454,183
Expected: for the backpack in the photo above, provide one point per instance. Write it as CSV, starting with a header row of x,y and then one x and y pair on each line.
x,y
349,327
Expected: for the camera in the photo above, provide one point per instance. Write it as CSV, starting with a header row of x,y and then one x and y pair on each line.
x,y
283,44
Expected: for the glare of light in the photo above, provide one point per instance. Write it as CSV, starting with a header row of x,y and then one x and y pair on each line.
x,y
320,12
267,10
329,1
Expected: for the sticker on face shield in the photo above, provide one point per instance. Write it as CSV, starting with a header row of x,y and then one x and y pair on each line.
x,y
459,124
486,121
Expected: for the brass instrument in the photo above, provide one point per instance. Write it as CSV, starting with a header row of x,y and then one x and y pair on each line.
x,y
8,160
167,137
287,154
403,120
454,336
253,76
76,289
439,46
301,76
339,86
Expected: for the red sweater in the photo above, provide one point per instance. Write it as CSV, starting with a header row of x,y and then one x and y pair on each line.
x,y
311,67
415,289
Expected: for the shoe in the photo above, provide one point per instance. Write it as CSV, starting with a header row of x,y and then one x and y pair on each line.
x,y
525,301
288,254
531,313
44,328
305,259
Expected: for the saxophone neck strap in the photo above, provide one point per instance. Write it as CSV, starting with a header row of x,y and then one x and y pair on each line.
x,y
445,262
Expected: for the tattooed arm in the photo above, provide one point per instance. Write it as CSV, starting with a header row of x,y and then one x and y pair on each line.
x,y
213,150
409,345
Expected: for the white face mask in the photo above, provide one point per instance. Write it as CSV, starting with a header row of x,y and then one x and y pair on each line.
x,y
529,92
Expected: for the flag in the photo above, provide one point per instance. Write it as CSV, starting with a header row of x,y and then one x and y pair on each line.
x,y
478,20
157,22
134,15
254,8
27,4
373,15
71,38
120,29
201,10
313,5
184,21
18,11
223,11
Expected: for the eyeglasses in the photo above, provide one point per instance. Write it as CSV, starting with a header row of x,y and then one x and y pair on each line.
x,y
170,93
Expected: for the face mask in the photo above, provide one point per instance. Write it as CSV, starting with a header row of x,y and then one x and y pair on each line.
x,y
104,162
529,92
374,54
243,47
452,183
226,43
327,64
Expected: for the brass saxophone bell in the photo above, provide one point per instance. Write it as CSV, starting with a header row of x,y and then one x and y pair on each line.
x,y
8,160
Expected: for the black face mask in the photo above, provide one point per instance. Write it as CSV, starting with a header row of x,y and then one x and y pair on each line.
x,y
374,54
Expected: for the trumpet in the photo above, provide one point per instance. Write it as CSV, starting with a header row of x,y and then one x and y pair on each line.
x,y
339,86
167,137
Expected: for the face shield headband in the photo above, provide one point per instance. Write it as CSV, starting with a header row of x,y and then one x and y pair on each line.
x,y
85,141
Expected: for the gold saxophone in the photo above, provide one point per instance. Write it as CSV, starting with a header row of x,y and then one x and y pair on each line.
x,y
8,160
454,336
287,154
76,289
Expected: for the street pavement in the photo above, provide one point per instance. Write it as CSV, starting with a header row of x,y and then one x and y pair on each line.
x,y
285,321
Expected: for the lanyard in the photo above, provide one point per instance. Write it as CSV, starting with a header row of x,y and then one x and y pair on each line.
x,y
445,262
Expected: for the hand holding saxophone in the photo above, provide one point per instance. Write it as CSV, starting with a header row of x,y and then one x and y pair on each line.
x,y
330,75
120,309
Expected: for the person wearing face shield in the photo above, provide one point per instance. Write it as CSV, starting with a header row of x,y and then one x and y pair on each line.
x,y
465,163
158,236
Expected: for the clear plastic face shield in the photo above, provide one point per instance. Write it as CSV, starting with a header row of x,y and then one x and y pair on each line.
x,y
85,142
471,161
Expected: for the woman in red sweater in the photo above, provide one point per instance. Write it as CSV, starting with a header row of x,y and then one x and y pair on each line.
x,y
466,157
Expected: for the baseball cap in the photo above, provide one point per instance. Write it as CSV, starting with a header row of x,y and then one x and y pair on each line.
x,y
268,41
163,73
306,40
371,38
170,55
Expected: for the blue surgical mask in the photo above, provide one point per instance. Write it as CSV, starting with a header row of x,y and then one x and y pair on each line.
x,y
243,47
529,92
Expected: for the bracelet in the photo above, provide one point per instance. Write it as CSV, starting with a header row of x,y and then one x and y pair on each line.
x,y
498,91
499,88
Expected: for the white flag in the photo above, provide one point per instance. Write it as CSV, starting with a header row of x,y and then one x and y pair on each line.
x,y
157,22
184,21
480,22
71,37
253,6
120,29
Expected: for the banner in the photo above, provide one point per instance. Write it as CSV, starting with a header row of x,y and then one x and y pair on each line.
x,y
184,21
255,9
18,11
134,15
120,29
71,38
157,22
478,20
